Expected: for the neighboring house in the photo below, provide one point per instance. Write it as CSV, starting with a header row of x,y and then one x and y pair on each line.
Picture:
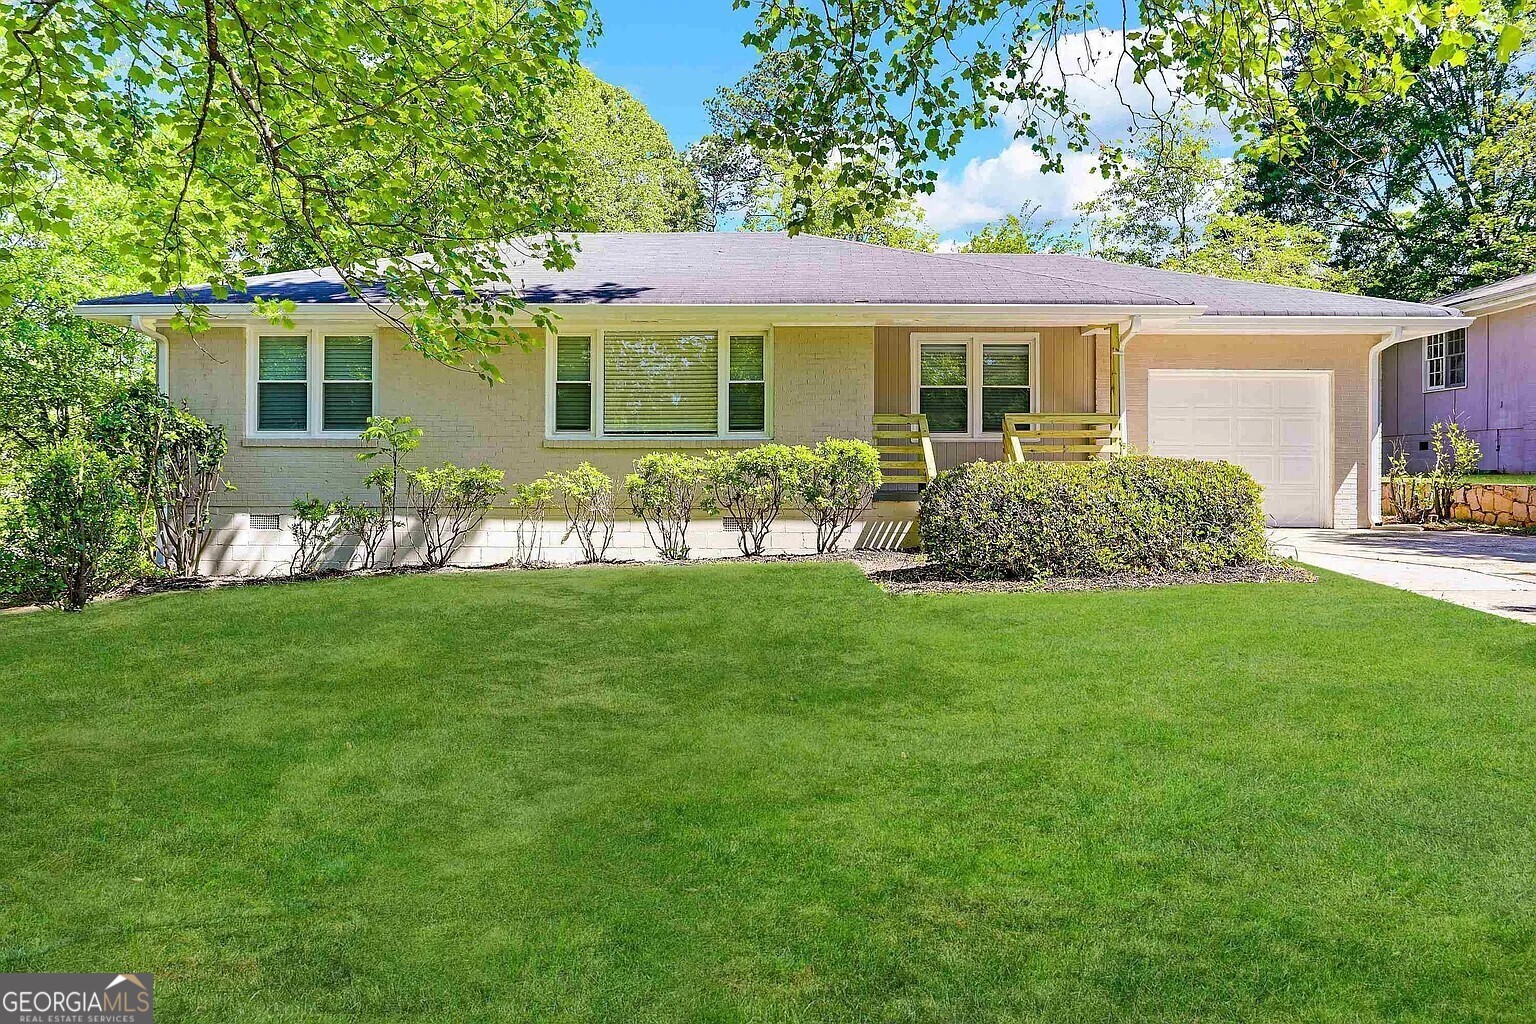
x,y
1482,376
695,341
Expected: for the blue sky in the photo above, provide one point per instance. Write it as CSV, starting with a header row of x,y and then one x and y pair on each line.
x,y
673,55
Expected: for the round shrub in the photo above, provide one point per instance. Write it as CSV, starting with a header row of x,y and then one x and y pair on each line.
x,y
1134,513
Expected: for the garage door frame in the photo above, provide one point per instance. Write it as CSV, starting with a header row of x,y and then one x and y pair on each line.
x,y
1325,494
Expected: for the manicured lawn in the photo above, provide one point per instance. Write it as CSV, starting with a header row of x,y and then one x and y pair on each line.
x,y
1515,479
774,793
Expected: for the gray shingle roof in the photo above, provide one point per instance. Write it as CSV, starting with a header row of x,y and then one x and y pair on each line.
x,y
761,268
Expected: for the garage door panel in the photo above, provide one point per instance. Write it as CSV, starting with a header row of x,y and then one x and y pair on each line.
x,y
1251,430
1210,393
1254,394
1273,424
1300,393
1213,430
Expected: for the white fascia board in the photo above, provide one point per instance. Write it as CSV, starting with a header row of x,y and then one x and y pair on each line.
x,y
1409,326
1494,298
811,314
1499,303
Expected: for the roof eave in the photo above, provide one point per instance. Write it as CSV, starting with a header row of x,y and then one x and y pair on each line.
x,y
1409,326
808,314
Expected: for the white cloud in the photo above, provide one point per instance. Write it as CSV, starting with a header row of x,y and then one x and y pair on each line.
x,y
1092,67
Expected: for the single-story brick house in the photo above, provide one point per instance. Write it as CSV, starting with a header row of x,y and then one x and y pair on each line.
x,y
1482,376
694,341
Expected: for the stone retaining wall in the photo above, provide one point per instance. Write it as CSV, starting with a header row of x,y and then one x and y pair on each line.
x,y
1494,504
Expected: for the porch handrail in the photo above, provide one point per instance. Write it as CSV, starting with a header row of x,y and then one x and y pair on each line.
x,y
905,447
1027,435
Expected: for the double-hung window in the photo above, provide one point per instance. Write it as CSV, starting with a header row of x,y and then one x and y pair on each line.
x,y
314,384
966,383
659,383
1445,361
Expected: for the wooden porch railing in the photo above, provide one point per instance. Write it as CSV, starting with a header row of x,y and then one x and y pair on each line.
x,y
906,450
1028,435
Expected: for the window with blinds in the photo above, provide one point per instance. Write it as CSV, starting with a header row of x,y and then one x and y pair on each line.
x,y
282,383
943,391
1004,383
347,390
661,382
748,391
573,384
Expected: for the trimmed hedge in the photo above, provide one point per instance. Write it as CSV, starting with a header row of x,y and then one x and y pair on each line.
x,y
1134,513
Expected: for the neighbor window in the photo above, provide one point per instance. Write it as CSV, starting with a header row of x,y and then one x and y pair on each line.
x,y
1445,361
311,385
282,384
659,383
573,384
966,384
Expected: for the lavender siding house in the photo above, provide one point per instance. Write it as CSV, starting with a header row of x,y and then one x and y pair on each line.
x,y
1483,377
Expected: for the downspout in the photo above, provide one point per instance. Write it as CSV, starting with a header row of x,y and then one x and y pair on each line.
x,y
1118,338
146,326
1373,421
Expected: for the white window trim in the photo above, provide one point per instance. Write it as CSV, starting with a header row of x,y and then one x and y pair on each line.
x,y
973,343
1445,361
314,381
722,382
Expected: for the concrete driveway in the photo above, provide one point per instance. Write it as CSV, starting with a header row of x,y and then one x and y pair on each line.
x,y
1488,571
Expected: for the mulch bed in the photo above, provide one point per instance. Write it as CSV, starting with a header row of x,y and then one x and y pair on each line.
x,y
921,578
896,572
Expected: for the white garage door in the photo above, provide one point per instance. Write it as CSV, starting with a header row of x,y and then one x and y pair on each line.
x,y
1273,423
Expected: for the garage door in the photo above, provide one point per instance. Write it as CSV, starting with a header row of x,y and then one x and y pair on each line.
x,y
1273,423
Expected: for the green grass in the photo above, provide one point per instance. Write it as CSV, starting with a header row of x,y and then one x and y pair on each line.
x,y
1514,479
773,793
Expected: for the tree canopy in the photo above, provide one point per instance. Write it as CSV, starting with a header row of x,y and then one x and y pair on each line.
x,y
769,191
628,176
1022,232
407,140
904,81
1424,193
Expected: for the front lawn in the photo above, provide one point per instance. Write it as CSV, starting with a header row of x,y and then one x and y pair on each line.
x,y
772,792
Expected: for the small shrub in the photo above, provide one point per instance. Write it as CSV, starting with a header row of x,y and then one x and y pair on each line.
x,y
450,502
530,503
749,485
394,437
835,483
317,525
1406,490
72,527
370,528
1134,513
664,490
1457,456
586,494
